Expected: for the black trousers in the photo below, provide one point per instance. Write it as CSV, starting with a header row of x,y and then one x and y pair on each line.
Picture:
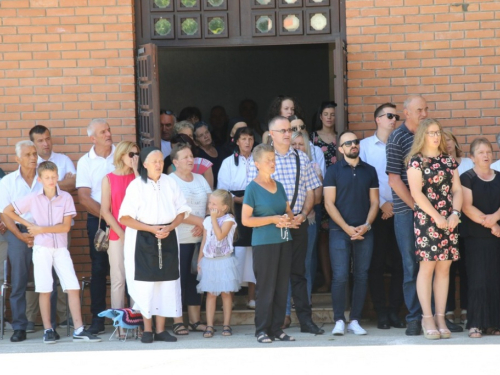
x,y
100,269
385,250
271,265
298,274
459,266
190,296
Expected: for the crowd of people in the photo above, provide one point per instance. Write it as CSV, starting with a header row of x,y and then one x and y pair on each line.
x,y
235,202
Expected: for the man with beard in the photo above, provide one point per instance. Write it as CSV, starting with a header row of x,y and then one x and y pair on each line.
x,y
352,201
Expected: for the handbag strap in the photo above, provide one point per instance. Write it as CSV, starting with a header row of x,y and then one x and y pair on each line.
x,y
297,177
109,182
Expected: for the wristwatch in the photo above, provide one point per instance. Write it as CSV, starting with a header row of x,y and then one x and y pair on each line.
x,y
368,226
456,212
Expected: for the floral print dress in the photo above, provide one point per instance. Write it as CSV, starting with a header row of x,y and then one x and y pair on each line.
x,y
432,243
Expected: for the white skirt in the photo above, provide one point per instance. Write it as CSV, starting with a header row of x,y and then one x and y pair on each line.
x,y
218,275
244,256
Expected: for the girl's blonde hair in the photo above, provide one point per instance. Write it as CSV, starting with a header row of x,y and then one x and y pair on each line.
x,y
307,146
419,140
450,135
227,199
123,148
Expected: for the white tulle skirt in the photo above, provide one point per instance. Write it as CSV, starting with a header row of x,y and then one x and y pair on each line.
x,y
218,275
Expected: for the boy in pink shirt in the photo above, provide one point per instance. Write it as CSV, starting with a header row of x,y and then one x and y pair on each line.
x,y
52,210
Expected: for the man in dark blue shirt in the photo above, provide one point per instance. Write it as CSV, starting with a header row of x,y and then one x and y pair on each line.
x,y
352,200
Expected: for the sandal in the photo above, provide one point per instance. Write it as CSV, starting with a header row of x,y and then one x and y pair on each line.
x,y
430,334
194,327
263,338
179,329
475,333
287,322
122,334
227,331
444,333
492,331
284,337
209,332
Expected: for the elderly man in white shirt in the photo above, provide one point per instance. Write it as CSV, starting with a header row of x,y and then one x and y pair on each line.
x,y
91,169
373,152
14,186
3,245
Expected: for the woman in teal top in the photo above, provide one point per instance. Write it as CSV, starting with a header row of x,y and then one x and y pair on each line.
x,y
266,209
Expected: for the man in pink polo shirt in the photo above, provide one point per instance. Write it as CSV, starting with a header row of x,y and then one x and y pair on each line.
x,y
51,210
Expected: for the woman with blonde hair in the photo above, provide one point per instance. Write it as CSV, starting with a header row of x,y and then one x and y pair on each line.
x,y
435,187
114,186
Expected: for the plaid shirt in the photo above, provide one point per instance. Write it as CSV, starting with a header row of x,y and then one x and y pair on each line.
x,y
286,169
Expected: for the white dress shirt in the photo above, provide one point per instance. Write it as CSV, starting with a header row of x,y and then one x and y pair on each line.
x,y
372,151
318,157
64,164
166,148
91,169
232,176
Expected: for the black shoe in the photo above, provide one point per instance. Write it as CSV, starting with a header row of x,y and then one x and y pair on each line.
x,y
395,321
164,336
18,336
56,335
383,322
147,337
414,328
49,337
453,327
97,326
311,328
85,336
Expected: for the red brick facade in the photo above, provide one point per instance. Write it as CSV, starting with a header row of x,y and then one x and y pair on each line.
x,y
445,50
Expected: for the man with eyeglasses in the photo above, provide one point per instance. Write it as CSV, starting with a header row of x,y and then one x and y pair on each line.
x,y
351,200
293,170
167,122
398,147
373,152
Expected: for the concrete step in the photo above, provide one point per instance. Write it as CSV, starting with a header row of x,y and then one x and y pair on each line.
x,y
317,298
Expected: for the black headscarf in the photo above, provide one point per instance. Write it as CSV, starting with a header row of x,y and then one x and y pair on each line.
x,y
143,172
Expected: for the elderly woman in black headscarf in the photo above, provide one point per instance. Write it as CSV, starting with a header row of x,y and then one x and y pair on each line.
x,y
152,209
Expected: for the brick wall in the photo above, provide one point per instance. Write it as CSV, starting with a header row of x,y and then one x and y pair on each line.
x,y
448,52
62,63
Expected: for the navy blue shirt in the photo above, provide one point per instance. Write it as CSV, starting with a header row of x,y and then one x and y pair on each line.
x,y
353,185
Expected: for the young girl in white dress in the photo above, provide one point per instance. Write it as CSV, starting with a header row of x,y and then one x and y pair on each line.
x,y
217,265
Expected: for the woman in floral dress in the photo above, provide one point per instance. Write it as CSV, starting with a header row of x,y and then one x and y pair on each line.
x,y
325,137
435,187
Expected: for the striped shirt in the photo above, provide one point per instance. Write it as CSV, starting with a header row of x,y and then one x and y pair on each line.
x,y
286,170
398,147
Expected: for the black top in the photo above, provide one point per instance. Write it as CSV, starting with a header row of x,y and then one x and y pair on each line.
x,y
353,186
217,161
485,197
398,147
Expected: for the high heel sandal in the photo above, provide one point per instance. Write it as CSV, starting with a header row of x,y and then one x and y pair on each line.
x,y
445,333
430,334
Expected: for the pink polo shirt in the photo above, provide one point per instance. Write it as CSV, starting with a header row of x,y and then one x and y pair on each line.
x,y
48,212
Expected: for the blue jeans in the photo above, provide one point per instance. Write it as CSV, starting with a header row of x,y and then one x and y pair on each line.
x,y
341,248
311,264
405,236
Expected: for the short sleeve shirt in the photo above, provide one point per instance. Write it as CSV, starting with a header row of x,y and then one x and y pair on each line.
x,y
353,185
91,169
398,147
63,163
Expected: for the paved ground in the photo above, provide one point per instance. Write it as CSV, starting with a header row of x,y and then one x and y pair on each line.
x,y
381,351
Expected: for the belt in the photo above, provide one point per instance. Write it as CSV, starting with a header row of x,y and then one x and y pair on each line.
x,y
22,228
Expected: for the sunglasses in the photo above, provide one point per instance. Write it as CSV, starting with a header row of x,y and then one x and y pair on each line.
x,y
132,154
170,113
390,116
283,131
350,143
297,128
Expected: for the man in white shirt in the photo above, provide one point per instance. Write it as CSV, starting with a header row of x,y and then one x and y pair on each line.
x,y
91,169
14,186
3,245
373,152
167,122
41,137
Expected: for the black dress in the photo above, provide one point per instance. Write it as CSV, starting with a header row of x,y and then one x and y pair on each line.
x,y
482,253
433,243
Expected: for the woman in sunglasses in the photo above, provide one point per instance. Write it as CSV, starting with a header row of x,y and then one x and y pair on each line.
x,y
114,186
436,190
325,137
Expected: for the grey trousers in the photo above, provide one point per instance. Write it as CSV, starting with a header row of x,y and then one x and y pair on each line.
x,y
20,257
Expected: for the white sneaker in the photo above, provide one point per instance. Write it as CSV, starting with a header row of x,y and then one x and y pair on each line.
x,y
339,328
355,328
251,305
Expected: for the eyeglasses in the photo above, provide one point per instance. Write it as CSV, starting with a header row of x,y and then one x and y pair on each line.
x,y
283,131
390,116
132,154
350,143
297,128
433,134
